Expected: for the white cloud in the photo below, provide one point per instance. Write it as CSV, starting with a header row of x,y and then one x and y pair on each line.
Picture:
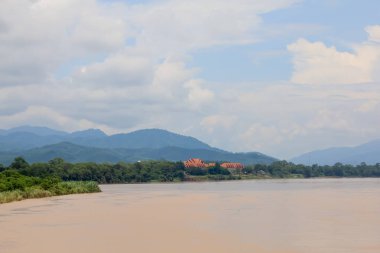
x,y
368,105
170,76
128,69
373,32
39,36
288,119
198,95
45,116
176,25
214,122
316,63
258,134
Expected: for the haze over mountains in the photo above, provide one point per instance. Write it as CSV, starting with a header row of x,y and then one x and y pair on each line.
x,y
27,137
368,153
41,144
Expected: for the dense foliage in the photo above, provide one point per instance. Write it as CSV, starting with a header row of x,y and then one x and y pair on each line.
x,y
165,171
138,172
283,169
15,186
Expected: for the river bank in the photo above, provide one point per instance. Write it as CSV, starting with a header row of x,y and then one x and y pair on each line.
x,y
15,187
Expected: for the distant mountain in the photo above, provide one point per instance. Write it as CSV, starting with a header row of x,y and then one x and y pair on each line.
x,y
26,137
368,153
40,131
76,153
89,133
38,144
147,138
15,141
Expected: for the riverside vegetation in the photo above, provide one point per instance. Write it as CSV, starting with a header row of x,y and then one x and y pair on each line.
x,y
22,180
15,186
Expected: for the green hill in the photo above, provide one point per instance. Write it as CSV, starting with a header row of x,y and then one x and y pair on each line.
x,y
76,153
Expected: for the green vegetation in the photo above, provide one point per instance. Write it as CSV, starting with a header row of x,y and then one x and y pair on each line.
x,y
283,169
166,171
76,154
23,180
15,186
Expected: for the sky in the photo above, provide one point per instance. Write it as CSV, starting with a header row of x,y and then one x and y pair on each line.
x,y
282,77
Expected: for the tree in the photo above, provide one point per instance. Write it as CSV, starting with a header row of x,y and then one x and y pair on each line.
x,y
56,162
19,163
214,169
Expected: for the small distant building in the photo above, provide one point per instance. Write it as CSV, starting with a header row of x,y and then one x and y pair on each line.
x,y
232,165
198,163
194,162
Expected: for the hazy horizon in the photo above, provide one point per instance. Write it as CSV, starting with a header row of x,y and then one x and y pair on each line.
x,y
96,129
281,77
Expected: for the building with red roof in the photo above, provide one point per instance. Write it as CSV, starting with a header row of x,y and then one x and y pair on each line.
x,y
232,165
198,163
194,162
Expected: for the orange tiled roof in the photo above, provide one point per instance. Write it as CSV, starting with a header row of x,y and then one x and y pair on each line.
x,y
194,162
232,165
198,163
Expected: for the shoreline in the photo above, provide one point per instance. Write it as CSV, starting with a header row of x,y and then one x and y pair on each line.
x,y
50,195
60,189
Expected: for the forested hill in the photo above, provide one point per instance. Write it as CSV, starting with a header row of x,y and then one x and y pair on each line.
x,y
76,153
26,137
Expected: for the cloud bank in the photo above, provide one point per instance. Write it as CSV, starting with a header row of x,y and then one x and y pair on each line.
x,y
119,67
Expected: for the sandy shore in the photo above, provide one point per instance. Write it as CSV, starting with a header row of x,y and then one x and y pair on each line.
x,y
192,221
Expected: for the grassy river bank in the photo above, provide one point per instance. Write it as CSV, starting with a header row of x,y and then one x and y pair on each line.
x,y
15,186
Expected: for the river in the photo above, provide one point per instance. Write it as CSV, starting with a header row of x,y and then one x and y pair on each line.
x,y
260,216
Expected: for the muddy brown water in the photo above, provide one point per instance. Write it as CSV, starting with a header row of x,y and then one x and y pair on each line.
x,y
269,216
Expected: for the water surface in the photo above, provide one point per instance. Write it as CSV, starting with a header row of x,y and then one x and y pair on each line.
x,y
263,216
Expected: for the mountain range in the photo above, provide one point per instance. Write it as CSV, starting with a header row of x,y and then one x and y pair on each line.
x,y
368,153
41,144
27,137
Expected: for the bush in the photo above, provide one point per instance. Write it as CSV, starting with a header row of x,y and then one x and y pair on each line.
x,y
14,187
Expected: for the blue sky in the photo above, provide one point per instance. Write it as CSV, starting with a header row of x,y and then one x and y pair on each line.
x,y
281,77
339,22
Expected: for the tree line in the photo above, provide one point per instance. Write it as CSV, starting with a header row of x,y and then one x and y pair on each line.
x,y
166,171
284,169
